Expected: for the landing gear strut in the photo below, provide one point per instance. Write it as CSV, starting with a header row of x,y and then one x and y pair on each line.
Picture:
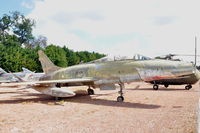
x,y
90,91
58,98
166,85
155,87
187,87
121,98
58,85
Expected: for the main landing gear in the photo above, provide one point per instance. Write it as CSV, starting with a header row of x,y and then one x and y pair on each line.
x,y
58,98
90,91
188,87
121,98
155,86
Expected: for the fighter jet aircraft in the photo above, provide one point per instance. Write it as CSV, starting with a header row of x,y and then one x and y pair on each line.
x,y
9,77
104,75
25,75
185,80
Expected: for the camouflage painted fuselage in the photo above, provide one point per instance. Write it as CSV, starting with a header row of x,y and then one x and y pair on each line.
x,y
126,71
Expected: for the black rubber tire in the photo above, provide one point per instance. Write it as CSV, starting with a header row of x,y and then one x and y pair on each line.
x,y
155,87
120,99
188,87
90,92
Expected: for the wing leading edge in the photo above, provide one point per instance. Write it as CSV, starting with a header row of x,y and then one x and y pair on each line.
x,y
47,82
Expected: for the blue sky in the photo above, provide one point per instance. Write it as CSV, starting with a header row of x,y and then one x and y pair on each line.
x,y
7,6
151,28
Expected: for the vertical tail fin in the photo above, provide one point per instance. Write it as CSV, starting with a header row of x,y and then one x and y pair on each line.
x,y
195,59
2,71
46,63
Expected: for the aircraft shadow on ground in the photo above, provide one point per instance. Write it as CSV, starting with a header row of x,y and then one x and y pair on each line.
x,y
79,98
113,103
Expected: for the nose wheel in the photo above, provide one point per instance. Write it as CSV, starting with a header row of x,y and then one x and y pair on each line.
x,y
188,87
90,91
121,98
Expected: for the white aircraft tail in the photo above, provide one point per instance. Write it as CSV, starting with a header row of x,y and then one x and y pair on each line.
x,y
2,71
47,64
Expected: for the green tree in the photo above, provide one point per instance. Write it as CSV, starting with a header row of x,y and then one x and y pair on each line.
x,y
5,24
23,27
71,57
57,55
13,57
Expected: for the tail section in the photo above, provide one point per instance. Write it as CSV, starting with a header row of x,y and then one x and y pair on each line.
x,y
25,70
46,63
2,71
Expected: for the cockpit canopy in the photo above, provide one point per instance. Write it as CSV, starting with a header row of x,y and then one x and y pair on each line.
x,y
136,57
140,57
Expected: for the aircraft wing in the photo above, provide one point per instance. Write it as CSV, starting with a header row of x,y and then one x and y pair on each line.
x,y
47,82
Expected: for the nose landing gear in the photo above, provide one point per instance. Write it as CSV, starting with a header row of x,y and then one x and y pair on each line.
x,y
90,91
121,98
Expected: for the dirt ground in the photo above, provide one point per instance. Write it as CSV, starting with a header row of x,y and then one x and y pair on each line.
x,y
171,110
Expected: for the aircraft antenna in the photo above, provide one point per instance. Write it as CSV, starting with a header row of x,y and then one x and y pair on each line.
x,y
195,51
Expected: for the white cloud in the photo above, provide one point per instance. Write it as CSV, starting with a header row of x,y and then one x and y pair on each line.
x,y
26,5
158,26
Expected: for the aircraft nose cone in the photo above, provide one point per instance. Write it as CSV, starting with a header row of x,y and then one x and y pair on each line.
x,y
197,73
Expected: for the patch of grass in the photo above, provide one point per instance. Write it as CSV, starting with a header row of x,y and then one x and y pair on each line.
x,y
27,102
51,103
3,121
60,102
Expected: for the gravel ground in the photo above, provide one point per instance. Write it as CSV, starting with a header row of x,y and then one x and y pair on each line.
x,y
171,110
